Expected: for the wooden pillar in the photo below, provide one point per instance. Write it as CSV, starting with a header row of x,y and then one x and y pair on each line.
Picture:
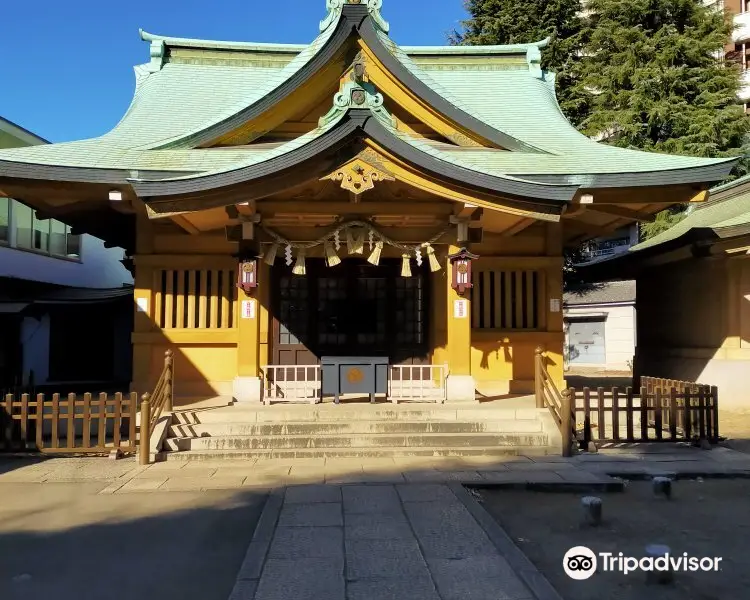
x,y
144,321
733,328
250,311
145,318
461,386
553,304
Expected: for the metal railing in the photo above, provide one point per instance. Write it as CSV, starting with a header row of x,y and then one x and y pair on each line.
x,y
294,383
417,383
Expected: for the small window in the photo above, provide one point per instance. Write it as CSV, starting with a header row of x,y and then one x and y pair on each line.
x,y
4,220
24,218
57,239
73,244
41,234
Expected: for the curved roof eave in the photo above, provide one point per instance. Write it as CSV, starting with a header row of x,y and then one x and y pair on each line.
x,y
712,171
357,125
44,172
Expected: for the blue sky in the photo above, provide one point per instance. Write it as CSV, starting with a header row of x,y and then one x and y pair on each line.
x,y
66,67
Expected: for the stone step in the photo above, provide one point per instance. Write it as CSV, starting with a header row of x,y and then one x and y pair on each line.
x,y
430,440
295,453
355,427
361,412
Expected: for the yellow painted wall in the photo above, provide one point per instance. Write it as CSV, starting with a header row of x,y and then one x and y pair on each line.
x,y
504,363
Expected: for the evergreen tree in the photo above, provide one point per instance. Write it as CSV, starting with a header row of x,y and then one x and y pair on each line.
x,y
525,21
655,79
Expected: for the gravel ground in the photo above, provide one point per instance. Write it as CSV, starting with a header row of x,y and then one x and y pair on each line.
x,y
704,518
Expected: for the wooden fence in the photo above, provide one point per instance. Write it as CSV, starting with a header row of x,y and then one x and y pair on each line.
x,y
559,404
152,406
69,424
624,415
661,410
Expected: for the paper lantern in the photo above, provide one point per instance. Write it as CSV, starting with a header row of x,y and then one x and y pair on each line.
x,y
461,267
247,278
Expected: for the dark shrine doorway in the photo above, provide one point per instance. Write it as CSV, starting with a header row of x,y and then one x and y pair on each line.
x,y
352,309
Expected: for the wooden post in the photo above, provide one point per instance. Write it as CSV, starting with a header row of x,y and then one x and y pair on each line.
x,y
644,414
702,412
86,420
101,438
538,383
629,414
39,421
567,418
658,425
132,411
601,417
587,436
55,420
71,420
145,430
673,413
715,429
24,420
118,421
688,419
169,380
616,414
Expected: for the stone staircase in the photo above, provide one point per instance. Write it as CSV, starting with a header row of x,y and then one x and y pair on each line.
x,y
505,427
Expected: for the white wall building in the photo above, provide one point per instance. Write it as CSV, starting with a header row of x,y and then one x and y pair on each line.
x,y
600,333
37,258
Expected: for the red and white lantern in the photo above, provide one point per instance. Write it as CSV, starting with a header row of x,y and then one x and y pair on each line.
x,y
461,268
247,278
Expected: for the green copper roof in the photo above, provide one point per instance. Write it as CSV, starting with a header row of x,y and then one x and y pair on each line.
x,y
191,86
729,206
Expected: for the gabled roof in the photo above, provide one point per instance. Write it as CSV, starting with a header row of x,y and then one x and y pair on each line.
x,y
724,217
194,90
13,135
609,292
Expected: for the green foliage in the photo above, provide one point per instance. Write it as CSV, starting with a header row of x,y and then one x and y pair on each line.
x,y
664,220
653,81
526,21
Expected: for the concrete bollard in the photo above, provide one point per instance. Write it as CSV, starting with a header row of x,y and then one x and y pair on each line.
x,y
662,572
592,511
662,487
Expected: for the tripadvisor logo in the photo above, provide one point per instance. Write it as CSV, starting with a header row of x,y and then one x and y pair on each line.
x,y
581,562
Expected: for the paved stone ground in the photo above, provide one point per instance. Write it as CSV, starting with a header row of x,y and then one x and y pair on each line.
x,y
374,542
126,476
359,529
66,541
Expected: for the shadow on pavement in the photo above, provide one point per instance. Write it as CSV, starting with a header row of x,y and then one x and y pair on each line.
x,y
67,542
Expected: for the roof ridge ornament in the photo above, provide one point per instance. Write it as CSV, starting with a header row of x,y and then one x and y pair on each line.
x,y
336,7
359,95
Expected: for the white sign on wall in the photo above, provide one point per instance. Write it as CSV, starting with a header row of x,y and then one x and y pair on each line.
x,y
142,304
248,309
554,305
460,309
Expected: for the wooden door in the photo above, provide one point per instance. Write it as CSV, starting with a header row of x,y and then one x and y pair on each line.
x,y
291,320
353,309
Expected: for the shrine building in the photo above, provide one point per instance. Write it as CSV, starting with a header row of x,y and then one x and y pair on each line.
x,y
401,210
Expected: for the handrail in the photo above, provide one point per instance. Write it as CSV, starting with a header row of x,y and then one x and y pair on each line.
x,y
153,404
559,404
